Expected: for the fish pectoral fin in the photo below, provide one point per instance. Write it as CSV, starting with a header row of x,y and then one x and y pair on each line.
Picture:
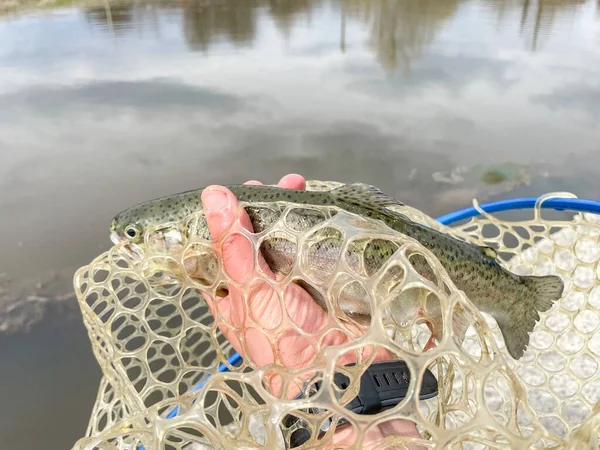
x,y
361,319
490,252
365,194
429,344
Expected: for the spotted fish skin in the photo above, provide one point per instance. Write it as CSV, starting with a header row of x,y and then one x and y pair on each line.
x,y
514,301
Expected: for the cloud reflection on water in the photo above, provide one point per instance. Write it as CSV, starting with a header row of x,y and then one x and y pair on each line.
x,y
105,107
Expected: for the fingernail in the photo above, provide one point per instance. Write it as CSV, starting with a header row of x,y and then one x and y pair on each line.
x,y
215,199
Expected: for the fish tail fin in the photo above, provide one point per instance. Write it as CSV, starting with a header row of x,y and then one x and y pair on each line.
x,y
539,295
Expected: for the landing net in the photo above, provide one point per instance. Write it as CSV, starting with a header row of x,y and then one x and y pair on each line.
x,y
167,382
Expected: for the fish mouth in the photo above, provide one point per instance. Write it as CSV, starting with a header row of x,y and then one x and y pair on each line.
x,y
135,251
114,237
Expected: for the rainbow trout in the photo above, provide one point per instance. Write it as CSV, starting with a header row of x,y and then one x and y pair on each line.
x,y
514,301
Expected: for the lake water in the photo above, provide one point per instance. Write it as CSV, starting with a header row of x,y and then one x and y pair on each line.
x,y
435,102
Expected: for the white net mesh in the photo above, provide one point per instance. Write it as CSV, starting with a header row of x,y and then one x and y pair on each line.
x,y
156,341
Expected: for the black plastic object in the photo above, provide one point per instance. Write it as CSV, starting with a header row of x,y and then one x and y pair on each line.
x,y
382,386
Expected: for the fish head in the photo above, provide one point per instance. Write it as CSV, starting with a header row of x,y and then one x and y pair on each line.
x,y
126,231
128,228
154,223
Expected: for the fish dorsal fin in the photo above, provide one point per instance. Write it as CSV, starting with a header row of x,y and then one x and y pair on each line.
x,y
365,194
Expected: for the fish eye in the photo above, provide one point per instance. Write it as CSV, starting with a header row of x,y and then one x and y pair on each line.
x,y
132,232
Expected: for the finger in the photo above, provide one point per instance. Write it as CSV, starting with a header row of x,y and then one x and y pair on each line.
x,y
223,215
381,354
292,181
399,427
395,427
220,305
220,206
253,183
236,307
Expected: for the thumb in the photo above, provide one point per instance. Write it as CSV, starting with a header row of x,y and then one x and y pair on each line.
x,y
224,216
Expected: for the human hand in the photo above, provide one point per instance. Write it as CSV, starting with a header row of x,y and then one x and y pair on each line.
x,y
224,215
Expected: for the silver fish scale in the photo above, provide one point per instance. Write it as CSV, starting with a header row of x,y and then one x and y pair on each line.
x,y
324,251
262,217
280,254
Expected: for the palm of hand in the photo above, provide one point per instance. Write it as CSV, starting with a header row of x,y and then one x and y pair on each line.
x,y
224,217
